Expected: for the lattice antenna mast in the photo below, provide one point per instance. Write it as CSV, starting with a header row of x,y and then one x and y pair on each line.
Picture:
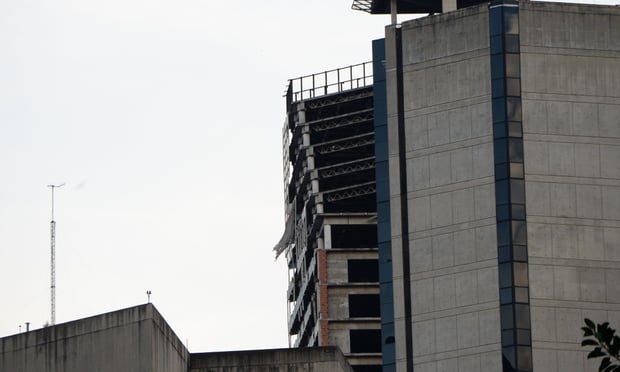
x,y
53,259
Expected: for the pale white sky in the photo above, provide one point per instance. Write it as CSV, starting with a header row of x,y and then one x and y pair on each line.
x,y
164,119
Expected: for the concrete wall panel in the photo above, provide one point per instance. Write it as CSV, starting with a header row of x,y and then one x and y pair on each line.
x,y
571,95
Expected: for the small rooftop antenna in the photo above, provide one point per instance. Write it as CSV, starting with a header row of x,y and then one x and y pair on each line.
x,y
394,12
53,259
148,296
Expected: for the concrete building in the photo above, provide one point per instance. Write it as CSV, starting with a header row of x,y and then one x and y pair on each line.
x,y
331,239
503,162
316,359
133,339
138,339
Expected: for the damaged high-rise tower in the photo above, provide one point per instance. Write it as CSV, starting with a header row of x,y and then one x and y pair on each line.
x,y
331,238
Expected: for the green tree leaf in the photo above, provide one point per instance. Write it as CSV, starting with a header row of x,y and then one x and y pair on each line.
x,y
589,323
597,352
606,333
589,342
614,347
606,345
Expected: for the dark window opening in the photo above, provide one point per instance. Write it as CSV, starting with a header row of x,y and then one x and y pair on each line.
x,y
364,306
465,3
347,179
319,135
364,203
363,271
340,108
325,155
354,236
365,340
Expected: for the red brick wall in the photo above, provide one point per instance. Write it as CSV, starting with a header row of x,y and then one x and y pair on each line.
x,y
323,303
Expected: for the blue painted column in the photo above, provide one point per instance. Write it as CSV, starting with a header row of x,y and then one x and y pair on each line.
x,y
383,207
510,186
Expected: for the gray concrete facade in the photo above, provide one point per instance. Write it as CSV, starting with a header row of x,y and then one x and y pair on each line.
x,y
450,195
134,339
445,260
570,61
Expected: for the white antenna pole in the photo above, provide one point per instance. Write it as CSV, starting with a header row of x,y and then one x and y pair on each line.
x,y
394,12
53,258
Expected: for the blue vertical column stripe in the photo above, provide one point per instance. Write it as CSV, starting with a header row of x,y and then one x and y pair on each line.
x,y
383,207
510,186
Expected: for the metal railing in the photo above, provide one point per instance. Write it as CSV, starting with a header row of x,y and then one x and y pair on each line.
x,y
329,82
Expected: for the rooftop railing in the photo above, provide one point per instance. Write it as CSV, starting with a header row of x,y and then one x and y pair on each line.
x,y
329,82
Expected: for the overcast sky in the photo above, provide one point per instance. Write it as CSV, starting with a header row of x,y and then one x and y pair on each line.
x,y
164,119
